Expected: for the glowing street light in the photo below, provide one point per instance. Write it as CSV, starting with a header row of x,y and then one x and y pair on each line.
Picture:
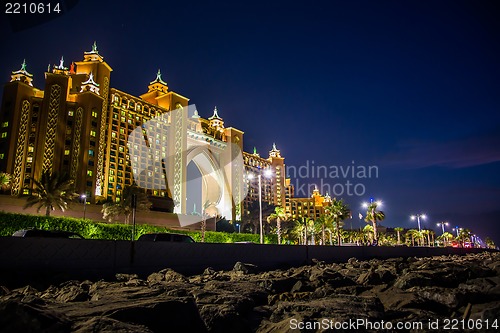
x,y
457,230
418,216
442,224
267,173
84,197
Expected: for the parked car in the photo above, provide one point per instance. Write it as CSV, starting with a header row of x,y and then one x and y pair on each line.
x,y
166,237
46,234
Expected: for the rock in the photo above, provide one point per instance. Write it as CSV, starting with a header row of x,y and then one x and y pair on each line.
x,y
71,293
4,291
167,275
486,311
244,300
126,277
105,325
17,317
245,268
336,308
209,271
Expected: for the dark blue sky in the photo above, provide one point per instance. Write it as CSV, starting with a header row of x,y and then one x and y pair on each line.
x,y
411,87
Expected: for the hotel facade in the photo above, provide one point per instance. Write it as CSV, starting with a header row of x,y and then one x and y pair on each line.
x,y
79,125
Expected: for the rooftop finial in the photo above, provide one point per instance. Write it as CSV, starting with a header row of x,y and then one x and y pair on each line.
x,y
158,75
254,150
274,146
94,47
61,63
23,65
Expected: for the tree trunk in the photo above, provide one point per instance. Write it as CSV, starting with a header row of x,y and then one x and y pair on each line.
x,y
278,229
323,236
374,222
203,227
399,238
305,234
47,211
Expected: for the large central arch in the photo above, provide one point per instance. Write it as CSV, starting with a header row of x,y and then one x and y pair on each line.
x,y
161,150
212,190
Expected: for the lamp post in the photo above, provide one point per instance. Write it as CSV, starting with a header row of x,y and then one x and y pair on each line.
x,y
267,173
418,216
84,197
457,230
238,225
442,224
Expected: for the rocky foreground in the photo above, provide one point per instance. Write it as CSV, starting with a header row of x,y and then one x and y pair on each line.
x,y
322,297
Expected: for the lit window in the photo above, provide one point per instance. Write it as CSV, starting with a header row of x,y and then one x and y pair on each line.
x,y
89,173
66,152
94,114
26,191
4,134
70,113
5,124
92,133
2,156
31,149
112,179
91,152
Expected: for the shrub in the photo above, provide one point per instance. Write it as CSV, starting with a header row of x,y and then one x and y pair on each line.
x,y
10,223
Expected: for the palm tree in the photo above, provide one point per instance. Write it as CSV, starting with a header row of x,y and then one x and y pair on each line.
x,y
490,243
399,230
323,222
368,233
412,234
337,212
204,216
464,236
374,216
428,234
446,237
111,210
51,191
252,214
279,215
4,181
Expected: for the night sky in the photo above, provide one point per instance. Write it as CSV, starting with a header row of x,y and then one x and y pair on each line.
x,y
411,87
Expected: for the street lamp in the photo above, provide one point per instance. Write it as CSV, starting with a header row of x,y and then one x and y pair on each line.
x,y
457,230
442,224
238,225
418,216
267,173
84,197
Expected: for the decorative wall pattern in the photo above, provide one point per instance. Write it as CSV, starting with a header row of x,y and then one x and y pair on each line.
x,y
76,142
102,138
178,167
50,134
20,149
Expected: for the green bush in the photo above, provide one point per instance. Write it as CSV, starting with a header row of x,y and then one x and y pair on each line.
x,y
10,223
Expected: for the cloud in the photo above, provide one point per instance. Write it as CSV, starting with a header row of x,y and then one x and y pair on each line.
x,y
482,148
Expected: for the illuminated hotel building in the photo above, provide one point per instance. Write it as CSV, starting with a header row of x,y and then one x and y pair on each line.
x,y
79,125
